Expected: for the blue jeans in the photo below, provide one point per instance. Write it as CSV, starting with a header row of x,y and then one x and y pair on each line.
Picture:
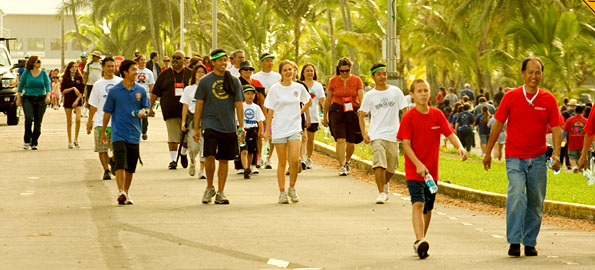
x,y
527,181
34,108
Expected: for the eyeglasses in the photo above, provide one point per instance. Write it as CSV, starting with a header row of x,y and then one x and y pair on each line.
x,y
177,57
344,70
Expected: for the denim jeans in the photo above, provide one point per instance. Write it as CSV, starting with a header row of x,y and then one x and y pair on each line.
x,y
527,180
34,108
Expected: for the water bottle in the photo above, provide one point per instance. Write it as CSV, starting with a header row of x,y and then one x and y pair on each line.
x,y
19,111
326,133
588,173
265,151
550,164
242,142
431,184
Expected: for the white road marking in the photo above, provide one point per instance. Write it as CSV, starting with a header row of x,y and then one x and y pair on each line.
x,y
453,218
497,236
33,177
466,224
405,198
396,194
441,213
553,256
27,193
278,263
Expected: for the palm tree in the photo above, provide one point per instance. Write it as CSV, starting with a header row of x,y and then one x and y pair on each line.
x,y
71,7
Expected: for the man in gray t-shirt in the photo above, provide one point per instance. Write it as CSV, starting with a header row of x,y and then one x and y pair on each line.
x,y
218,110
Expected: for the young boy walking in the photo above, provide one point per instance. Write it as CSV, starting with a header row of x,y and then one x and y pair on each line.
x,y
420,132
253,119
384,103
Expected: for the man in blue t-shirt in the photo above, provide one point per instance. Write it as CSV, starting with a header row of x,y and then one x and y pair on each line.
x,y
126,104
217,95
467,92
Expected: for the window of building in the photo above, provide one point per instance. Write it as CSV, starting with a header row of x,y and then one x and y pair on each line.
x,y
16,45
35,44
55,44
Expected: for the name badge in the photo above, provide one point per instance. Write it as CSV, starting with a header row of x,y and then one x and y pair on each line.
x,y
179,89
347,105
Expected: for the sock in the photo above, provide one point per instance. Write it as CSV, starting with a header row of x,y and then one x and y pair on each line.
x,y
184,150
174,155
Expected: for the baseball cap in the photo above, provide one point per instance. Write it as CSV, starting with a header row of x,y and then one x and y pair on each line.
x,y
84,54
246,65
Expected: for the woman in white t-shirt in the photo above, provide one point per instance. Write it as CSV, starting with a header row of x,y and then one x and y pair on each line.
x,y
309,76
189,102
146,79
284,116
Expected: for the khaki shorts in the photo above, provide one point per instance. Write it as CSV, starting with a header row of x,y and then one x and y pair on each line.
x,y
99,146
385,154
174,130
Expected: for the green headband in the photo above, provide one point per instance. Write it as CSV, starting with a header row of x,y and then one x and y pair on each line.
x,y
249,89
376,69
219,54
267,56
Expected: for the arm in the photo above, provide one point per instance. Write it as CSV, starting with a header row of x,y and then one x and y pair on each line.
x,y
305,108
420,167
184,115
327,106
362,125
153,98
92,111
457,143
197,117
260,129
106,118
240,114
269,120
151,89
557,138
586,146
48,88
494,134
360,95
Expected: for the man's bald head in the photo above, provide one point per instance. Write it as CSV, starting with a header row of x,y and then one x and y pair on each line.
x,y
178,60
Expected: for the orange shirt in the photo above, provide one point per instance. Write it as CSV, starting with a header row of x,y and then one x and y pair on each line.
x,y
340,89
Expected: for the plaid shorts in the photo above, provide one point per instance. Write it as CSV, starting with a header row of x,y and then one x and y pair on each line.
x,y
99,146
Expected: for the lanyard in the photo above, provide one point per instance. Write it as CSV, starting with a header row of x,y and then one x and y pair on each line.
x,y
174,74
530,100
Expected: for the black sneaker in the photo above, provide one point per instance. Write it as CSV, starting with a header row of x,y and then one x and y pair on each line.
x,y
514,250
34,147
173,165
184,161
421,247
122,198
247,173
106,175
304,167
529,251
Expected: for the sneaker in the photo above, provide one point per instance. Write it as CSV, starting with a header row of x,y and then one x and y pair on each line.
x,y
304,166
208,195
254,169
530,251
514,250
173,165
70,146
293,195
34,147
287,172
201,175
574,170
421,247
145,137
240,171
106,175
386,191
267,164
309,164
343,171
221,199
184,161
27,146
122,198
192,169
283,198
259,163
247,173
381,198
76,144
128,201
347,166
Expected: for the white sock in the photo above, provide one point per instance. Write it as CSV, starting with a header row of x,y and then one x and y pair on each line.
x,y
174,155
184,150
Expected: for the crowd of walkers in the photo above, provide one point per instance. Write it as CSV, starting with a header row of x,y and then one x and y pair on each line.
x,y
216,109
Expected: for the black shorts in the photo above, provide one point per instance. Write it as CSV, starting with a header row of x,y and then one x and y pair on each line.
x,y
224,146
313,127
251,140
126,156
344,125
419,192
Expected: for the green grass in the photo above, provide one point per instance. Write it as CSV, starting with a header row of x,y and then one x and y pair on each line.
x,y
564,187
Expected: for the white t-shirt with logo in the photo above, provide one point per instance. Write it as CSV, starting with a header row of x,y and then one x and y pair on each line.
x,y
98,95
285,101
188,97
384,106
252,115
268,79
318,91
144,78
234,71
94,72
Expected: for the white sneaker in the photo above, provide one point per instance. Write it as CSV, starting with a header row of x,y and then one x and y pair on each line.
x,y
128,201
259,163
202,175
283,198
70,146
267,164
76,144
381,198
208,195
309,163
192,168
293,195
254,169
240,171
342,171
27,146
386,191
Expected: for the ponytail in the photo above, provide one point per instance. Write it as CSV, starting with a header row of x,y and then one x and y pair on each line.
x,y
486,116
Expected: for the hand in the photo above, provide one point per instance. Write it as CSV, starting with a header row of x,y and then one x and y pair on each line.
x,y
308,124
47,100
463,153
103,137
196,136
151,112
19,102
366,138
421,170
582,161
556,159
267,136
183,127
242,135
89,126
142,114
487,161
325,122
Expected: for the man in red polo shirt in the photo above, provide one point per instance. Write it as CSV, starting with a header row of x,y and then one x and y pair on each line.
x,y
529,111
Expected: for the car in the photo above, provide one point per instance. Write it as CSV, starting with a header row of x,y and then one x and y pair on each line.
x,y
8,87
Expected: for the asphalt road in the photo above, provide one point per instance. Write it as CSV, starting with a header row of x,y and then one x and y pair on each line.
x,y
57,213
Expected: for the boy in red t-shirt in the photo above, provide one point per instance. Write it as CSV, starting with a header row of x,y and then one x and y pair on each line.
x,y
574,127
588,140
420,132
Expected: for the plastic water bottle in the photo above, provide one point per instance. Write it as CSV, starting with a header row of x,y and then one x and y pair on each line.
x,y
242,142
431,184
588,173
550,164
265,151
19,109
326,133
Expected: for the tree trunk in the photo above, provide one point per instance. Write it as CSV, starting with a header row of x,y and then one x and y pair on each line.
x,y
297,33
155,37
171,21
431,78
76,27
332,36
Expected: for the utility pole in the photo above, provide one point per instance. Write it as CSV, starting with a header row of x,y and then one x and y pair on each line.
x,y
214,28
182,25
62,39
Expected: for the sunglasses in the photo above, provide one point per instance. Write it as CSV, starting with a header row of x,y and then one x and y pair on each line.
x,y
177,57
38,62
344,70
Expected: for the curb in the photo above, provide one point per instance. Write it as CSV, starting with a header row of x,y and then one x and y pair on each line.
x,y
571,210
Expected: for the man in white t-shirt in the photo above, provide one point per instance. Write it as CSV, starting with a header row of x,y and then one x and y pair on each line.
x,y
236,58
384,103
146,79
267,77
96,100
91,75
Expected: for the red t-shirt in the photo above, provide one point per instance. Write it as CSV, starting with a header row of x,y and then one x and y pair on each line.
x,y
590,127
340,89
575,126
81,66
527,124
424,131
